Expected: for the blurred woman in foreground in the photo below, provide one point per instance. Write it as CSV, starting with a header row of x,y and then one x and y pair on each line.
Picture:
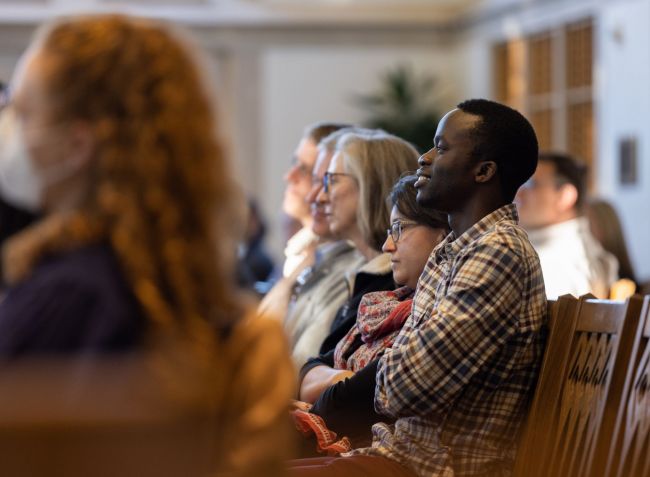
x,y
115,142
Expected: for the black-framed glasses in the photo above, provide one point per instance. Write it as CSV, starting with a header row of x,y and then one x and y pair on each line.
x,y
397,227
330,178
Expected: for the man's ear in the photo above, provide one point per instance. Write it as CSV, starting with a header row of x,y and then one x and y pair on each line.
x,y
568,197
486,171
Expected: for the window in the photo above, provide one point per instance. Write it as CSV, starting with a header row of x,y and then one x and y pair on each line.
x,y
549,77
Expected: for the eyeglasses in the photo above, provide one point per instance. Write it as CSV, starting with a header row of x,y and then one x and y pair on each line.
x,y
397,227
328,179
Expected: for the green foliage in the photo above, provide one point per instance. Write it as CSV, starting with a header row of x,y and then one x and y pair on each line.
x,y
403,106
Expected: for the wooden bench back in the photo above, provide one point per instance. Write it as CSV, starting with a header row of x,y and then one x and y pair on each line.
x,y
624,444
103,417
561,322
567,411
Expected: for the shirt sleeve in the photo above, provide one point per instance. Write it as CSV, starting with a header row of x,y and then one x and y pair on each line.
x,y
433,359
326,359
347,406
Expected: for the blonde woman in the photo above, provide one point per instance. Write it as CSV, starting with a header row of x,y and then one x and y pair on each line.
x,y
115,143
360,176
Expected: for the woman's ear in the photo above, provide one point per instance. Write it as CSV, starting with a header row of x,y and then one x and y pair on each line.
x,y
486,171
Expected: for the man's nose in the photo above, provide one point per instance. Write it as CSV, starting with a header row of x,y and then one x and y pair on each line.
x,y
290,175
425,159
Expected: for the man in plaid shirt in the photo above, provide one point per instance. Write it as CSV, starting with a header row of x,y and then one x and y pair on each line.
x,y
458,379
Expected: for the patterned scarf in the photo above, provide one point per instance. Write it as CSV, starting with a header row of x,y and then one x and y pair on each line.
x,y
379,320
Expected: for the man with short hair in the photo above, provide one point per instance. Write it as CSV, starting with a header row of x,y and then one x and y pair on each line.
x,y
307,301
455,385
550,207
298,179
320,290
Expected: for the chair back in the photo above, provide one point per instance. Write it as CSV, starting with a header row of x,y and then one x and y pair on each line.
x,y
624,445
560,325
568,407
118,416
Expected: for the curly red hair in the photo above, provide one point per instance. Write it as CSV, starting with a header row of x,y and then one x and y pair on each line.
x,y
163,188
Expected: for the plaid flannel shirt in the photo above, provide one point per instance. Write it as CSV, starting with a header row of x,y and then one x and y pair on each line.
x,y
460,375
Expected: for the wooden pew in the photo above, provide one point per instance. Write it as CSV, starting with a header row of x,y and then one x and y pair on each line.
x,y
561,322
113,416
624,445
566,416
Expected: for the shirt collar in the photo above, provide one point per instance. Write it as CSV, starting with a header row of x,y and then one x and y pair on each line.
x,y
329,250
300,241
452,245
571,227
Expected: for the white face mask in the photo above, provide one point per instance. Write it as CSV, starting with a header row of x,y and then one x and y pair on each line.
x,y
19,185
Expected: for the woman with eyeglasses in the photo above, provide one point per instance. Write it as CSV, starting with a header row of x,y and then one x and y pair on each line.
x,y
343,399
115,143
364,166
358,180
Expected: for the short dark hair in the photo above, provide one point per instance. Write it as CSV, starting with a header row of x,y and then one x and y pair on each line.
x,y
568,170
403,196
318,131
505,136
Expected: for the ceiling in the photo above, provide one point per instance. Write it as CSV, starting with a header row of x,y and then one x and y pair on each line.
x,y
253,12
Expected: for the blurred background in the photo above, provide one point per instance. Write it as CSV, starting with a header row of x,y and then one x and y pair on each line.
x,y
578,69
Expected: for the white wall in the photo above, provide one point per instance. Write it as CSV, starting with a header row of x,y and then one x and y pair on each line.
x,y
275,79
301,85
623,69
622,91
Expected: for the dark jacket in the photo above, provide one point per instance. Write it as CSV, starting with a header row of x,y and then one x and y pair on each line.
x,y
73,302
348,406
346,317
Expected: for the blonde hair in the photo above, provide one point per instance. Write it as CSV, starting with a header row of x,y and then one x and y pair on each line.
x,y
162,186
376,160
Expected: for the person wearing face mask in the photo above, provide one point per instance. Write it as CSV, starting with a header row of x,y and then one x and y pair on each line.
x,y
15,214
134,250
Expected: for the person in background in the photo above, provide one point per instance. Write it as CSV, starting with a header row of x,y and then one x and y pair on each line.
x,y
255,264
13,218
299,251
606,227
550,207
318,291
4,95
134,249
360,176
461,372
347,407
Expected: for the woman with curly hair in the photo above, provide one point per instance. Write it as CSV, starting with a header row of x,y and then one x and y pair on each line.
x,y
115,142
